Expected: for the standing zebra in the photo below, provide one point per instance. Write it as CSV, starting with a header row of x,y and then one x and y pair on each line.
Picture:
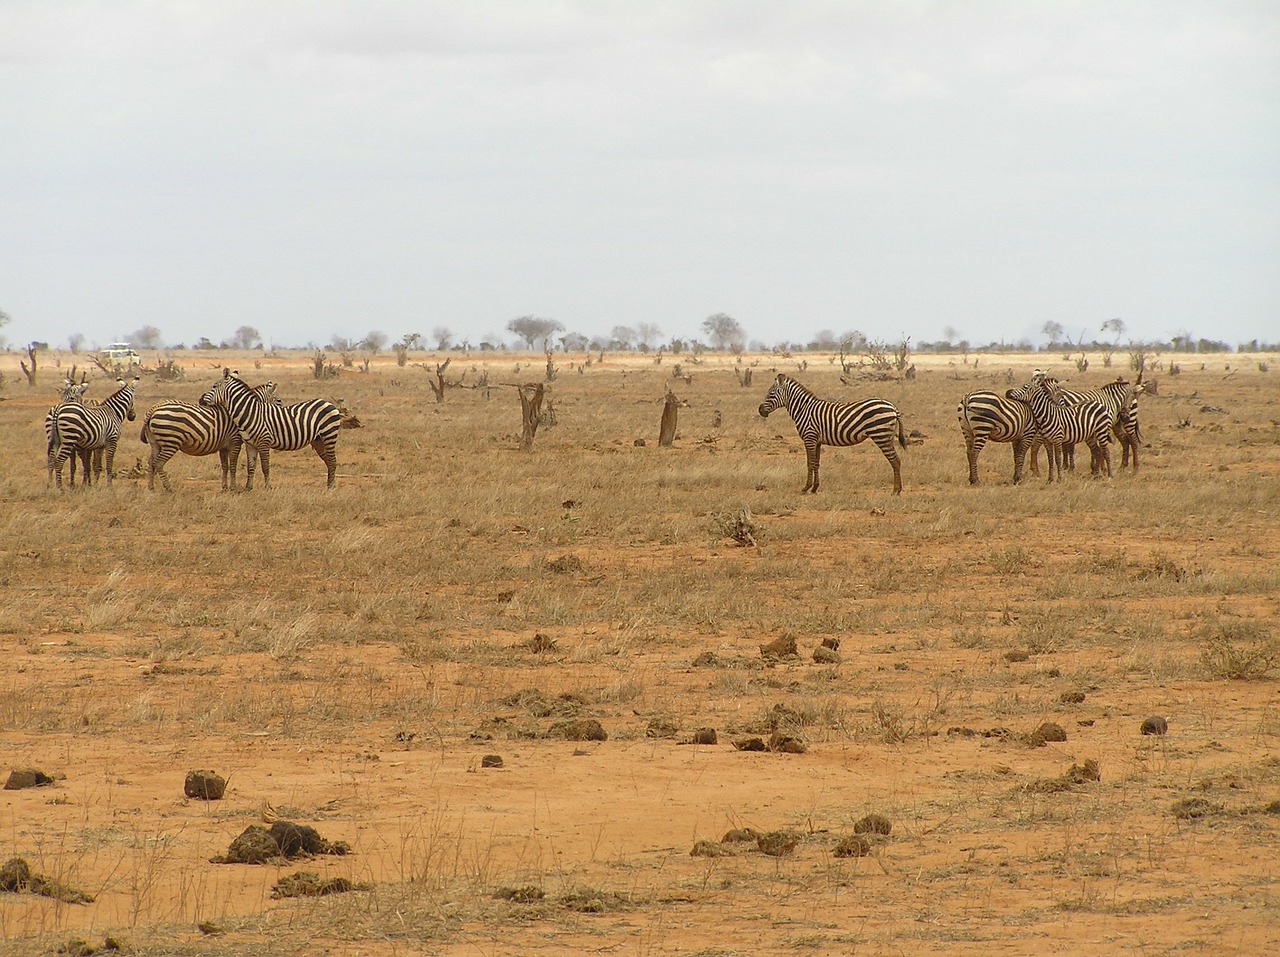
x,y
822,422
174,427
1058,423
314,422
1121,399
72,392
986,416
81,429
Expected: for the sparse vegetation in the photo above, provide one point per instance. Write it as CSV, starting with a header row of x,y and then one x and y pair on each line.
x,y
355,660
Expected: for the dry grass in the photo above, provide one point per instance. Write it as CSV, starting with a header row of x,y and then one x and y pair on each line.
x,y
354,653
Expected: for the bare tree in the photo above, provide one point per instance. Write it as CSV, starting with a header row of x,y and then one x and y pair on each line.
x,y
375,341
1054,331
30,373
75,341
443,336
670,416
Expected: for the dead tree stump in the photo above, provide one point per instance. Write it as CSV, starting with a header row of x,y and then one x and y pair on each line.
x,y
437,387
670,412
530,412
31,372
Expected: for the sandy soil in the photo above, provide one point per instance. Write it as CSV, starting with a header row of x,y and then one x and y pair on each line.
x,y
966,619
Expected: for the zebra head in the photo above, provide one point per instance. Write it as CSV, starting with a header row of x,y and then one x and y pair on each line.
x,y
73,391
776,397
1022,394
217,394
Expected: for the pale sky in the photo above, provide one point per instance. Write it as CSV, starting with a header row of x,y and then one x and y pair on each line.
x,y
902,167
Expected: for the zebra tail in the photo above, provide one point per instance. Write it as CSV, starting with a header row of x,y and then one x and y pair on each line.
x,y
143,434
55,439
902,438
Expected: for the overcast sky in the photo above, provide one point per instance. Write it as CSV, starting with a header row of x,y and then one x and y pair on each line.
x,y
314,169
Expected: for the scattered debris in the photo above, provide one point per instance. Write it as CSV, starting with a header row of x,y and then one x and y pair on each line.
x,y
525,894
783,647
284,839
852,845
578,729
310,884
16,877
565,564
704,736
1190,809
872,824
750,744
777,843
740,835
1071,697
786,743
708,849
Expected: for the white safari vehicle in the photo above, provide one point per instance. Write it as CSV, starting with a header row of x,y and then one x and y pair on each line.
x,y
121,352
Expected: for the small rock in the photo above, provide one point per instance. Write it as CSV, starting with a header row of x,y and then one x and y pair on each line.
x,y
784,647
638,443
826,656
578,729
777,843
491,761
707,659
832,643
786,743
1049,731
310,884
872,824
1017,654
1155,725
705,736
1071,697
750,744
21,778
204,785
661,728
740,835
852,845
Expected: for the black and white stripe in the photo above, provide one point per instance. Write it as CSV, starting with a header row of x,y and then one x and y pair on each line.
x,y
287,428
1121,400
822,422
80,429
990,417
1058,423
174,427
72,392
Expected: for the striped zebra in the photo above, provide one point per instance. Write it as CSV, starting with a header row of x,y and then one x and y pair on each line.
x,y
80,429
987,416
1058,423
73,392
1121,399
822,422
174,427
287,428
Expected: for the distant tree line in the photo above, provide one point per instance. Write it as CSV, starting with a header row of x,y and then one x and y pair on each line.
x,y
720,332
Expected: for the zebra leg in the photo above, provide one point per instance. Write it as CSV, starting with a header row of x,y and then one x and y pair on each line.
x,y
264,459
973,448
251,454
110,461
813,455
1069,456
1019,457
1104,455
328,454
885,445
85,457
1035,457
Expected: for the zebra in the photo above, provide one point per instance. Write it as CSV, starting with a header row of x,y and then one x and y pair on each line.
x,y
1121,399
987,416
174,427
820,421
72,392
1058,423
314,422
80,429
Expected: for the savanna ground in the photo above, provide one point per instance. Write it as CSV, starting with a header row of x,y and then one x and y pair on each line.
x,y
346,658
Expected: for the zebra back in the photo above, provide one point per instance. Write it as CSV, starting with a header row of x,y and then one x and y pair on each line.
x,y
269,426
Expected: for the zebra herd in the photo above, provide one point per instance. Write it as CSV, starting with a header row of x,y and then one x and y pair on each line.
x,y
1039,413
229,416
